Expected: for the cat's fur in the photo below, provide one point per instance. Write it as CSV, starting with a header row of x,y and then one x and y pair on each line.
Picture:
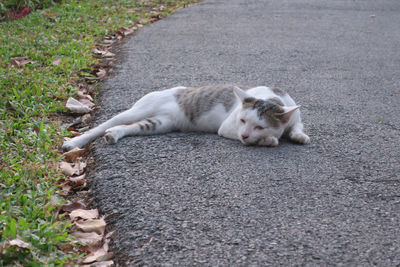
x,y
255,116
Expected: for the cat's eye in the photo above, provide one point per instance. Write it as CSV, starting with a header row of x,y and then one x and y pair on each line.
x,y
242,121
259,128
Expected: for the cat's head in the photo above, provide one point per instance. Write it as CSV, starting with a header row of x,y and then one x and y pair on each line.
x,y
261,122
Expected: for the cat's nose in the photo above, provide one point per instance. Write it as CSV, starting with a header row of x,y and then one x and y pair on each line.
x,y
245,136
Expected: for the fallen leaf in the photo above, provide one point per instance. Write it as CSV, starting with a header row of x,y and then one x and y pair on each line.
x,y
57,61
98,255
91,238
77,181
74,154
81,94
86,118
104,53
70,169
277,15
75,122
50,16
101,73
372,16
67,168
80,167
97,226
84,214
102,264
19,243
66,187
73,206
87,102
20,61
77,107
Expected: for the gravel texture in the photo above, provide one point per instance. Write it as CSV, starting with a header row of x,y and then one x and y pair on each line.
x,y
185,199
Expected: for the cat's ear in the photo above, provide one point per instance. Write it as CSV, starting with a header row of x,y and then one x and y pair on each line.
x,y
242,95
287,113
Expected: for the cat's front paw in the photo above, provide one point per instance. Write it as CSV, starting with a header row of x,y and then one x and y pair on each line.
x,y
268,141
300,138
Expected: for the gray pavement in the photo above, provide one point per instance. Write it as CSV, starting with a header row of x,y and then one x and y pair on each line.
x,y
185,199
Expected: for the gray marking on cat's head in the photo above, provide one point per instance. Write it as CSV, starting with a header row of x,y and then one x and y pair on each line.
x,y
196,101
270,110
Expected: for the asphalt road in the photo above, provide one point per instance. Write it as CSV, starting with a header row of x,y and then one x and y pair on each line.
x,y
187,199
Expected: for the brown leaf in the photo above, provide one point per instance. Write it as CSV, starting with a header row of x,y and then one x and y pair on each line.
x,y
102,264
57,61
50,16
86,118
77,181
73,206
71,169
67,168
20,61
74,154
67,188
19,243
101,73
97,226
104,53
84,214
91,238
99,254
81,94
77,107
87,102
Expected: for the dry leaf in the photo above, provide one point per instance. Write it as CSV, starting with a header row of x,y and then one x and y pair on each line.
x,y
80,167
77,107
103,53
66,187
71,169
86,118
74,154
87,102
84,214
98,255
57,61
73,206
101,73
102,264
91,238
50,16
19,243
77,181
277,15
20,61
97,226
67,168
81,94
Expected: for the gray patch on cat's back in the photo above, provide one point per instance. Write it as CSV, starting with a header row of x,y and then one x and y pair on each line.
x,y
198,100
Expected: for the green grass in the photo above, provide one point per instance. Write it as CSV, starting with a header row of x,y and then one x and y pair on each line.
x,y
29,99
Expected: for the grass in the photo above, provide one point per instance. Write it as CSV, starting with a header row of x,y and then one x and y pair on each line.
x,y
29,98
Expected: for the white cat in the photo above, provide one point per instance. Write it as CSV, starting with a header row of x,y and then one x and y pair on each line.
x,y
256,116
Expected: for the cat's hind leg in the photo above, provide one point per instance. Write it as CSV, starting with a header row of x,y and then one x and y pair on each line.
x,y
127,117
148,126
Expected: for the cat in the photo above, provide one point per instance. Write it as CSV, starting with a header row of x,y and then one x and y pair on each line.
x,y
254,116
